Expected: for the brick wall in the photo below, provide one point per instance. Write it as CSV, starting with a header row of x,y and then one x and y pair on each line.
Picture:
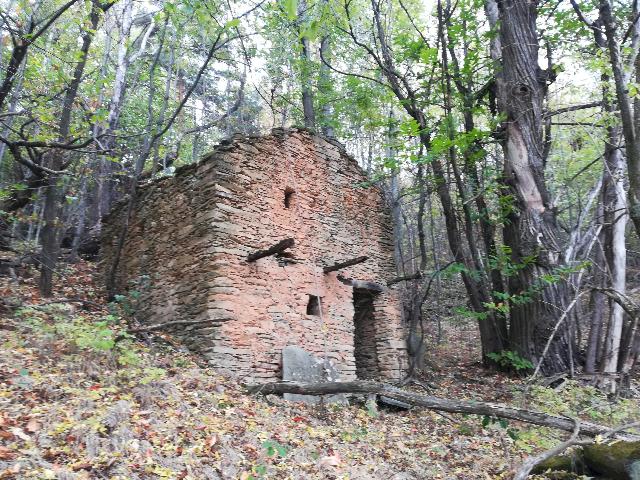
x,y
190,235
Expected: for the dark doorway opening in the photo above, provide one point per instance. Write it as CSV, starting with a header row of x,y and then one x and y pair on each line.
x,y
364,339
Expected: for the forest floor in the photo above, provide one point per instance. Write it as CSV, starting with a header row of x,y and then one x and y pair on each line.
x,y
77,404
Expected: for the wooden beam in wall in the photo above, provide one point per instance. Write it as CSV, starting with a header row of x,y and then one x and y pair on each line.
x,y
279,247
348,263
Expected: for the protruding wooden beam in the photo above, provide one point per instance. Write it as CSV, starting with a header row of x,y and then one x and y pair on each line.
x,y
277,248
361,284
348,263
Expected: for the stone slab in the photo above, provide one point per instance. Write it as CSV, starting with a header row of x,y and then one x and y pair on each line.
x,y
298,365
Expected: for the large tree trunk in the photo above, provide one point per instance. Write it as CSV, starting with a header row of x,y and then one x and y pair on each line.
x,y
530,230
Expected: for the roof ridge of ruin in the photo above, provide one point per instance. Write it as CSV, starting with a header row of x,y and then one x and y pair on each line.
x,y
229,143
233,142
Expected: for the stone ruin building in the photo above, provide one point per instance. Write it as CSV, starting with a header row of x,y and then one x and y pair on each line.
x,y
267,242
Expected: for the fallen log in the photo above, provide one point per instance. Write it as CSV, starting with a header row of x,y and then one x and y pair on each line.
x,y
440,404
348,263
277,248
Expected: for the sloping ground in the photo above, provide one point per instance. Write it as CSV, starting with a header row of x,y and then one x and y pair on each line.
x,y
79,401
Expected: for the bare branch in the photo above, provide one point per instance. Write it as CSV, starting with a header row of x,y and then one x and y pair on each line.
x,y
572,108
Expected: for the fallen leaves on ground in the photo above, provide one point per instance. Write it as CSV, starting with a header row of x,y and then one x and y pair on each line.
x,y
68,412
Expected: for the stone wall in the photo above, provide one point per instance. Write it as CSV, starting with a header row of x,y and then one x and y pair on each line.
x,y
191,233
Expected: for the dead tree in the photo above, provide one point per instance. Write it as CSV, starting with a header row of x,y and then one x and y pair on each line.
x,y
437,403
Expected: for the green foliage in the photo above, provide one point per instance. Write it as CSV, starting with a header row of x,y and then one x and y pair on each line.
x,y
101,337
127,304
574,399
290,8
274,448
501,423
512,360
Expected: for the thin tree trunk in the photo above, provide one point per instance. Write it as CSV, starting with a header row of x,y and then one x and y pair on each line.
x,y
305,56
80,221
50,246
493,323
632,142
325,87
616,254
594,341
165,102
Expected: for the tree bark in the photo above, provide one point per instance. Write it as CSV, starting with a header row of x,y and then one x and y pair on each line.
x,y
615,248
324,81
530,229
597,304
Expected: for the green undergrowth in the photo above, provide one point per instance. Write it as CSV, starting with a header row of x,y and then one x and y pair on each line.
x,y
574,399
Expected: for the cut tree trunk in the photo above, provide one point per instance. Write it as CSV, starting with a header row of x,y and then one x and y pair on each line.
x,y
436,403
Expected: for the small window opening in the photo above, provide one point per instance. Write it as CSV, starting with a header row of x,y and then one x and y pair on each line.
x,y
313,306
288,197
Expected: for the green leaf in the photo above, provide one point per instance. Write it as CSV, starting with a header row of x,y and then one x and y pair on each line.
x,y
486,420
290,8
232,23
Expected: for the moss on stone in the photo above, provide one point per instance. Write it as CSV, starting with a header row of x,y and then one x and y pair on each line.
x,y
614,460
560,463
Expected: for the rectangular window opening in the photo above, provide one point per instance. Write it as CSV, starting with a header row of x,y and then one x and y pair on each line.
x,y
313,305
288,197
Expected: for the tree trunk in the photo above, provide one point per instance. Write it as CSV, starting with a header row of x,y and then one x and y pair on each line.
x,y
324,81
594,341
50,245
305,56
615,249
530,230
494,318
629,129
